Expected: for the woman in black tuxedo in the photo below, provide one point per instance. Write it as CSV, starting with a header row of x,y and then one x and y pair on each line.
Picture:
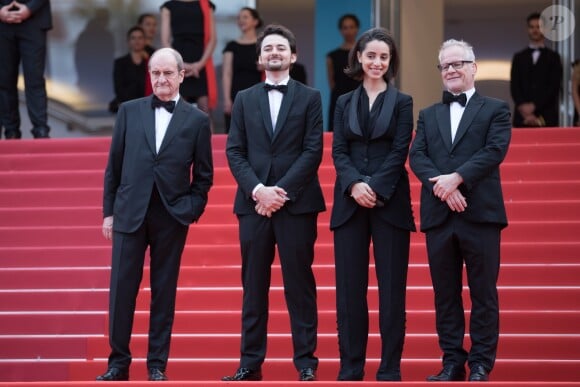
x,y
373,127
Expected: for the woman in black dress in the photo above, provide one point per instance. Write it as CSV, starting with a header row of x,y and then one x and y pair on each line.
x,y
182,27
336,62
240,68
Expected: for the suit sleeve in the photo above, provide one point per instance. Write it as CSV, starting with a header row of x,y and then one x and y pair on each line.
x,y
35,5
202,174
305,167
237,151
493,152
384,180
115,163
419,159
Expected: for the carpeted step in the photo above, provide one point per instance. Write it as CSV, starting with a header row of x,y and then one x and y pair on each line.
x,y
230,275
229,298
552,231
86,255
223,213
525,322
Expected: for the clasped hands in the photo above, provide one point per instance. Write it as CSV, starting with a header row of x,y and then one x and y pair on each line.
x,y
527,110
193,69
14,13
270,200
364,195
445,188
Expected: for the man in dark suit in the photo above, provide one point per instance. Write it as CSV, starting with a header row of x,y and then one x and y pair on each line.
x,y
23,27
536,78
274,149
156,184
456,154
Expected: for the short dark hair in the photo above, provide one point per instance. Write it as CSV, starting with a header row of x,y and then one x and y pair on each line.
x,y
276,29
255,14
346,16
133,29
144,16
533,16
354,68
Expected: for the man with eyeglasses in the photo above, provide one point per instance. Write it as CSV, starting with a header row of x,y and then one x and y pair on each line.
x,y
459,146
536,78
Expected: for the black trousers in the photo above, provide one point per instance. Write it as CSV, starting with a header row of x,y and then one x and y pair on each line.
x,y
478,245
165,238
391,254
26,45
295,236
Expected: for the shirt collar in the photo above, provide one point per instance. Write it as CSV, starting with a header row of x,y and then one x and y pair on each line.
x,y
282,82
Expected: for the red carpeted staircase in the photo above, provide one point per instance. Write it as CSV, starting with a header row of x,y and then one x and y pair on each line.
x,y
54,272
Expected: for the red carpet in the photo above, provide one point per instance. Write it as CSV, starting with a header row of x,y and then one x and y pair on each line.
x,y
54,272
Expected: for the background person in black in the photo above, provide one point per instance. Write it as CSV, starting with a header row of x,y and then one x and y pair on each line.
x,y
130,71
536,78
23,28
240,68
337,61
182,27
148,22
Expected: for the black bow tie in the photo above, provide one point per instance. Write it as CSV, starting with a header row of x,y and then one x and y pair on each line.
x,y
281,88
157,103
448,98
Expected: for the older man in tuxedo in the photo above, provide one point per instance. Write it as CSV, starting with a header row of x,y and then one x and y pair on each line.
x,y
156,184
459,146
274,149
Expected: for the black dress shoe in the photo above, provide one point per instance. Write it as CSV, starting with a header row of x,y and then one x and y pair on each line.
x,y
13,135
40,133
478,374
449,373
244,374
114,374
156,375
307,375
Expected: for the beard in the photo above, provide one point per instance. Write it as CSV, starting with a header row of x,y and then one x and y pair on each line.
x,y
277,65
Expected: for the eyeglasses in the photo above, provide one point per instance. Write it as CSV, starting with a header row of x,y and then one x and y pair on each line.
x,y
455,65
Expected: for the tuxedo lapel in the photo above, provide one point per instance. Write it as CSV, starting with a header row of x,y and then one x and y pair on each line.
x,y
264,103
353,112
148,115
473,106
175,123
383,121
444,123
284,108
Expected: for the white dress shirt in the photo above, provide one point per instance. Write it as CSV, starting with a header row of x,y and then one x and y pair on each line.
x,y
456,111
162,118
275,99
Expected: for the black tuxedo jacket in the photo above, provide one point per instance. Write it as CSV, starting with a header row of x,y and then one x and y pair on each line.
x,y
182,170
41,17
381,157
538,83
288,156
480,145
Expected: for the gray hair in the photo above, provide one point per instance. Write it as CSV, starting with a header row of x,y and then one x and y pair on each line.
x,y
171,51
467,48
